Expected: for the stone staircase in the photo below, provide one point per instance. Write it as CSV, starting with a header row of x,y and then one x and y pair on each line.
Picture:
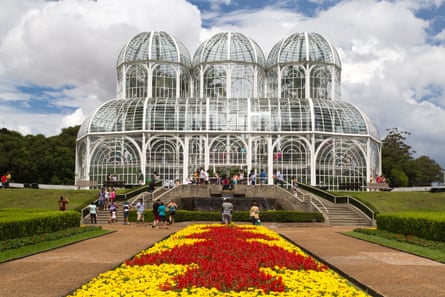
x,y
340,214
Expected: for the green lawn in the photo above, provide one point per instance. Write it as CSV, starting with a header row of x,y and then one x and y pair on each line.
x,y
43,198
385,202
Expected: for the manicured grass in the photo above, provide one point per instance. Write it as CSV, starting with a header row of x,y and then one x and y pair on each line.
x,y
44,198
27,250
436,254
385,202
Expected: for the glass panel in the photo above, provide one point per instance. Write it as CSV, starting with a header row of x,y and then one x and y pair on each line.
x,y
136,82
164,81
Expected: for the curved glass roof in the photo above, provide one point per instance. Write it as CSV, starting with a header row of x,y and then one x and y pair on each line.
x,y
301,48
154,46
229,46
265,115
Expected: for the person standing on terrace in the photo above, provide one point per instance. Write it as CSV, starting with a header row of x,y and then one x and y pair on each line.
x,y
227,209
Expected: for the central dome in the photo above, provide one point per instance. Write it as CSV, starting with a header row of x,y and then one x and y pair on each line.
x,y
229,46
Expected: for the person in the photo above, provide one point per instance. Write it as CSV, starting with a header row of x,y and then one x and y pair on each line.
x,y
113,213
226,184
4,181
156,217
162,215
140,209
227,209
126,209
112,195
8,179
279,179
93,217
63,202
262,177
202,176
171,206
107,199
101,199
254,213
140,178
252,177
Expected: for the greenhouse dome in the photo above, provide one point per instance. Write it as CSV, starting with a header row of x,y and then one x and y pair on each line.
x,y
174,117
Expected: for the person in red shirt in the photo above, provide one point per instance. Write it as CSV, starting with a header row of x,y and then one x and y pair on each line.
x,y
4,181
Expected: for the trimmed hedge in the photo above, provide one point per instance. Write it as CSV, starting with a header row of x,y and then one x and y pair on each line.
x,y
239,216
425,225
16,223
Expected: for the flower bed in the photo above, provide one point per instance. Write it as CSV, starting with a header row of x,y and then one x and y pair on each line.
x,y
218,260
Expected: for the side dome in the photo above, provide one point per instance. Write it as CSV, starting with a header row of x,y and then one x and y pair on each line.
x,y
154,46
229,46
303,47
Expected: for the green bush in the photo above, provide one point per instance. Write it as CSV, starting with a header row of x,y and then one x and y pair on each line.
x,y
239,216
16,223
425,225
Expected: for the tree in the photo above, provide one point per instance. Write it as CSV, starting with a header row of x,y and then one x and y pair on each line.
x,y
399,166
427,171
396,154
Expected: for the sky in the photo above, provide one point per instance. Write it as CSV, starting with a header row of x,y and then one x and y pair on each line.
x,y
58,58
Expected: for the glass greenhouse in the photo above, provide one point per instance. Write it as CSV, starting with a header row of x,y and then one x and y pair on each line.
x,y
229,109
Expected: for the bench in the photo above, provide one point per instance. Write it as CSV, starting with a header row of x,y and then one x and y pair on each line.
x,y
379,186
86,183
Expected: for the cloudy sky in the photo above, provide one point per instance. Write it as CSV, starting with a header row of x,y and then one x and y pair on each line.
x,y
58,58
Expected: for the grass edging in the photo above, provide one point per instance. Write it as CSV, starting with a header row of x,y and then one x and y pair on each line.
x,y
25,251
424,252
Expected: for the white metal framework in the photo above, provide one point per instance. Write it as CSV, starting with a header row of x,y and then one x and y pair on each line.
x,y
229,109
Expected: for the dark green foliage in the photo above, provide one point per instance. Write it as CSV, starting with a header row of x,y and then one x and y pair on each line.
x,y
239,216
38,159
400,168
30,240
430,226
16,223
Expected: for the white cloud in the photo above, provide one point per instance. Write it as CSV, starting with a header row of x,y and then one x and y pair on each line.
x,y
76,43
389,68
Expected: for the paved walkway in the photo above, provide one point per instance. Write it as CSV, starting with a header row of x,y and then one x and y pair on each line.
x,y
385,271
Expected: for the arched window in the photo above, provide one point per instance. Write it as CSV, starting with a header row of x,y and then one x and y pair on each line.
x,y
136,83
321,83
164,81
242,81
215,82
293,82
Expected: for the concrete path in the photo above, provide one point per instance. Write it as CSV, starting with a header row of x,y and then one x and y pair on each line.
x,y
385,271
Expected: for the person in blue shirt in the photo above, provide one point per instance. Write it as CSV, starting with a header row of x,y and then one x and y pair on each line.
x,y
262,177
162,211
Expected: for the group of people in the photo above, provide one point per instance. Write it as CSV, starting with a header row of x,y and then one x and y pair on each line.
x,y
112,212
5,180
160,211
227,212
106,197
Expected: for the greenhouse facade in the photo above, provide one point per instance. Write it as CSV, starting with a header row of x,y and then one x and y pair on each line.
x,y
229,109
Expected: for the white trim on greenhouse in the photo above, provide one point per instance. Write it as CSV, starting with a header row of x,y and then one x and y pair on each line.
x,y
229,109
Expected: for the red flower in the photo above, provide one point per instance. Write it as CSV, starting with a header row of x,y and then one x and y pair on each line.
x,y
227,261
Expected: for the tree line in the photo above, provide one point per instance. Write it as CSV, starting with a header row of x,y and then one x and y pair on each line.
x,y
51,160
39,159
